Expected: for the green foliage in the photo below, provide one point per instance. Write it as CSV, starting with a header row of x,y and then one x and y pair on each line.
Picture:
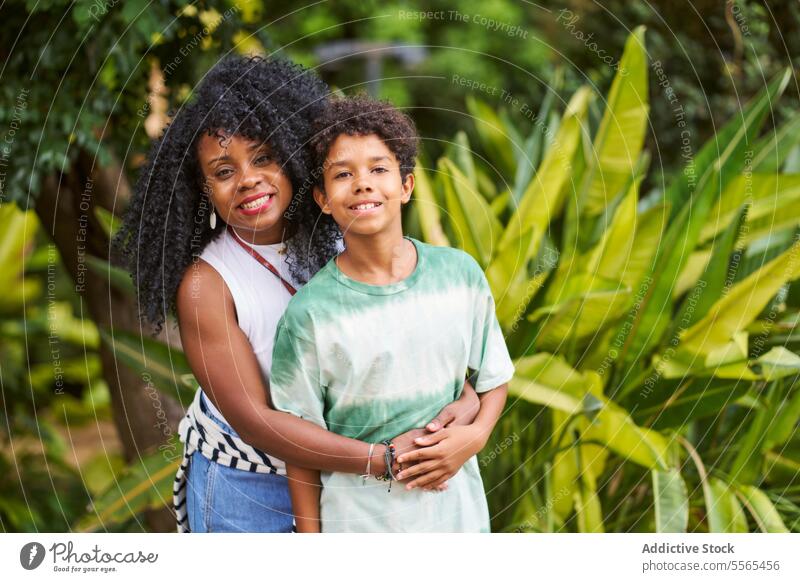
x,y
51,383
613,386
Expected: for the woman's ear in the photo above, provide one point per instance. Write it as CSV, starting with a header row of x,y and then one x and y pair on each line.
x,y
408,188
321,200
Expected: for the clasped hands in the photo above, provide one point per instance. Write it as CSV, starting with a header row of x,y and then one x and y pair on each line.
x,y
428,457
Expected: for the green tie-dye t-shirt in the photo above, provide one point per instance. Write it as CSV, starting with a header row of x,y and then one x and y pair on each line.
x,y
374,361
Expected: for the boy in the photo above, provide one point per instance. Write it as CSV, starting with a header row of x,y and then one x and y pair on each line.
x,y
383,335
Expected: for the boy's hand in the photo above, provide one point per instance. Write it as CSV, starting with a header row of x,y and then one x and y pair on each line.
x,y
405,444
439,456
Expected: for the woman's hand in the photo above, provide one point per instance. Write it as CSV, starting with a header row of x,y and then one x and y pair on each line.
x,y
461,412
439,456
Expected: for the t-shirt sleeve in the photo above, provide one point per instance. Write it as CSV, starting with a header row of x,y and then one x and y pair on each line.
x,y
489,361
295,385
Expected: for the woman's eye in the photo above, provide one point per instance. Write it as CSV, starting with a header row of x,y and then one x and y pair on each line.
x,y
265,159
223,173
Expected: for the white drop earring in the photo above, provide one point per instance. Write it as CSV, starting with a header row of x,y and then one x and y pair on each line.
x,y
212,219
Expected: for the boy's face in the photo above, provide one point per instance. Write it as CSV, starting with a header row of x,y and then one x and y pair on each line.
x,y
364,191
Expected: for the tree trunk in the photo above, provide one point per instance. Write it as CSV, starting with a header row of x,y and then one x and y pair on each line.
x,y
66,210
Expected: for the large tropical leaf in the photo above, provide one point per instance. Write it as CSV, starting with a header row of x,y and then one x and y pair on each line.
x,y
494,136
762,509
166,366
671,501
144,484
726,152
428,208
543,198
618,143
725,514
470,215
772,199
741,305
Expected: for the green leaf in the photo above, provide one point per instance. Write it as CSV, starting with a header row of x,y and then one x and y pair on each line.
x,y
508,277
725,514
428,208
582,316
714,279
587,503
166,366
118,277
471,217
618,143
614,427
671,501
610,257
537,393
772,150
675,403
145,484
741,305
771,198
543,198
725,153
108,222
462,153
782,427
651,313
17,234
761,508
494,137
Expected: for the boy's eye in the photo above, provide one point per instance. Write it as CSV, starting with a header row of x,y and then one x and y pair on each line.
x,y
379,169
341,175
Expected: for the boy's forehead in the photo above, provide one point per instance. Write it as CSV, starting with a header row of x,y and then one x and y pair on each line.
x,y
358,147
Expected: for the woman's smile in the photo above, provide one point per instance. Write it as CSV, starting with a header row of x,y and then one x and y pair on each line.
x,y
257,203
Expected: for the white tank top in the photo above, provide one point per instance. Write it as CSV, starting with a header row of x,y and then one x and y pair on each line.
x,y
259,296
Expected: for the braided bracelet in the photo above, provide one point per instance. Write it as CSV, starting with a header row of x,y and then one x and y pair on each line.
x,y
389,456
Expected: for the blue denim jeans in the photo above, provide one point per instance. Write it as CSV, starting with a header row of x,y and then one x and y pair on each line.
x,y
221,499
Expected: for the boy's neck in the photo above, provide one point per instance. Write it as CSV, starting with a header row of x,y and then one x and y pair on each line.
x,y
378,259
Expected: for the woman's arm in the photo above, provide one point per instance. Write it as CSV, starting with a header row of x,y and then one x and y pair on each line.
x,y
304,488
443,453
225,365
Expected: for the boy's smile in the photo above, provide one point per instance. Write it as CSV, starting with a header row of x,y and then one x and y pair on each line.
x,y
364,190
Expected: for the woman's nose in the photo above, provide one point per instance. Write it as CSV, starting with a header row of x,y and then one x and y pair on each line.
x,y
250,179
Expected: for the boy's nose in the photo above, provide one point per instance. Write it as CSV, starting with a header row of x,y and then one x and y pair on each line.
x,y
361,185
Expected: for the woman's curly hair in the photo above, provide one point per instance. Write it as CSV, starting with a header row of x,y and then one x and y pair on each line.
x,y
362,115
166,225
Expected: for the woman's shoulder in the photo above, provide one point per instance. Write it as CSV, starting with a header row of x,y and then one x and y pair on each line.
x,y
200,282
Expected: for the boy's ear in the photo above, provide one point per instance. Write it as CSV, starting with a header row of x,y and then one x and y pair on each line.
x,y
408,188
321,200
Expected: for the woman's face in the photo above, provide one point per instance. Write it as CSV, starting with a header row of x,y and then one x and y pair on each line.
x,y
246,185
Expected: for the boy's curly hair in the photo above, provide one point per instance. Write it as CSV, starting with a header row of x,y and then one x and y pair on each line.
x,y
362,115
166,224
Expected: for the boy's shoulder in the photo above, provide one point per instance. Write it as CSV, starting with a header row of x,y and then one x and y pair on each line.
x,y
450,260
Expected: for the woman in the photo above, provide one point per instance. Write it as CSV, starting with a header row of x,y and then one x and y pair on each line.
x,y
221,230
